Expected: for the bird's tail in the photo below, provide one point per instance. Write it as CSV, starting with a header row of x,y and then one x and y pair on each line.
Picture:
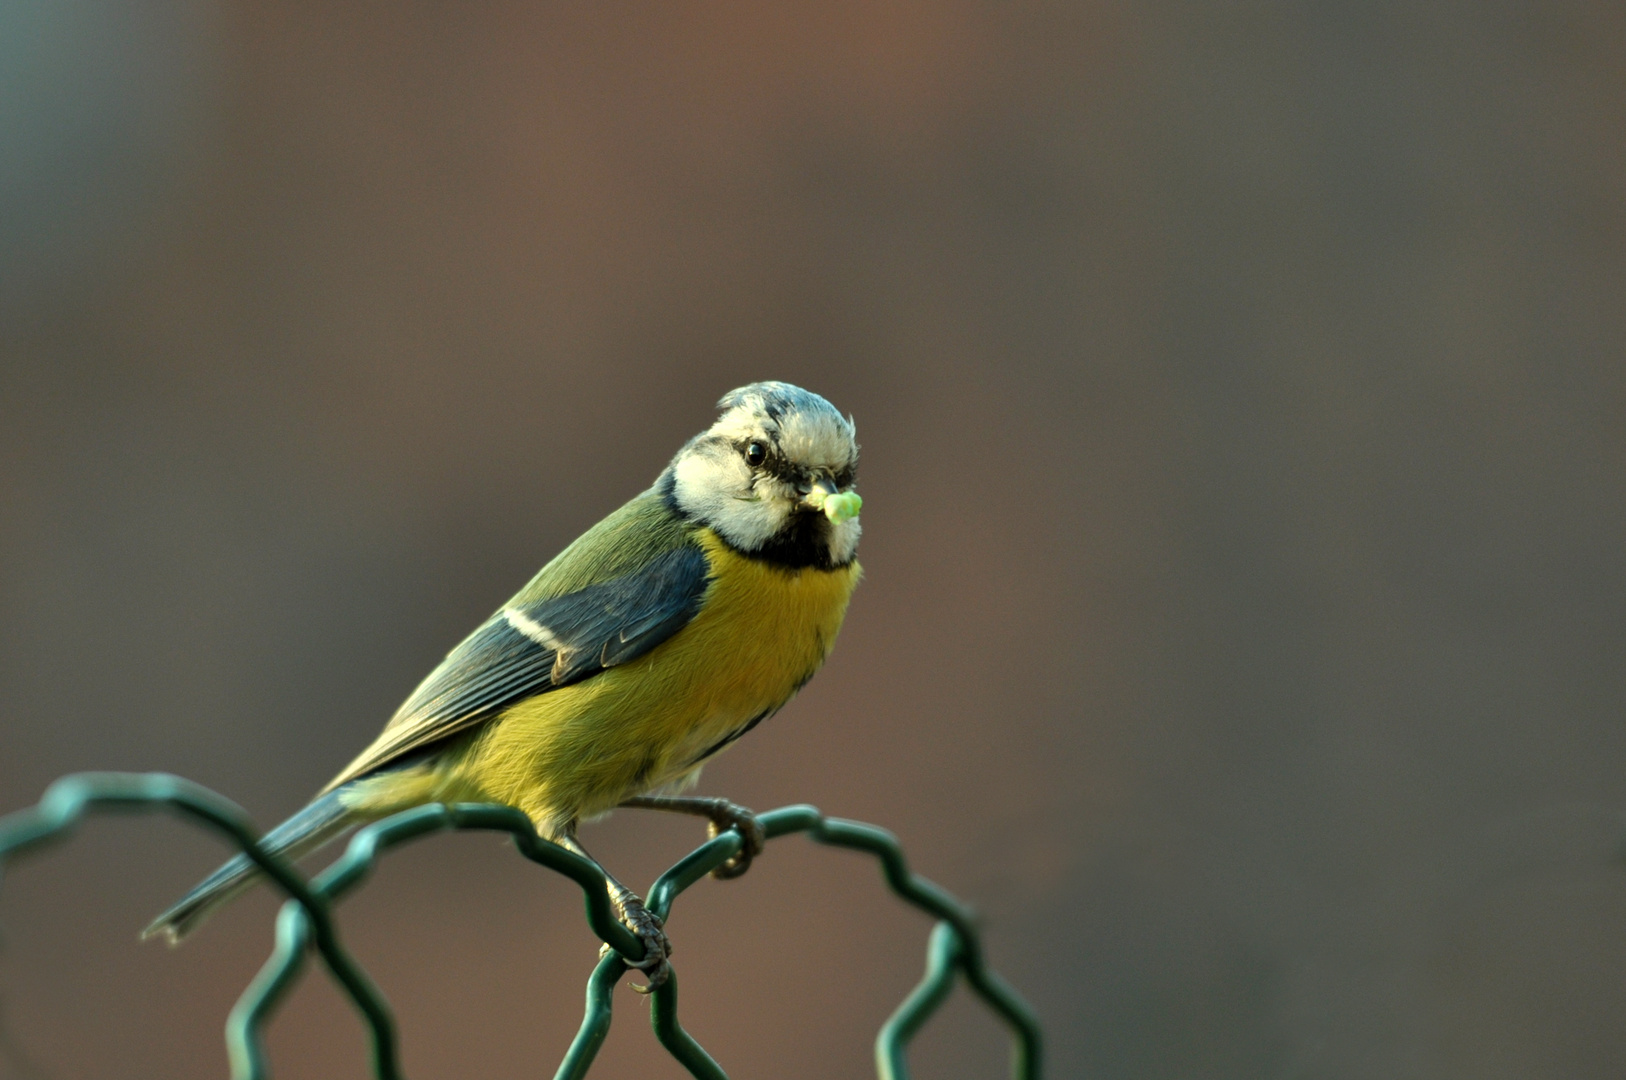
x,y
306,831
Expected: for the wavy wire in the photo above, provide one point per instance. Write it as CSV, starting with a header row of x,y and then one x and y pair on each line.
x,y
306,921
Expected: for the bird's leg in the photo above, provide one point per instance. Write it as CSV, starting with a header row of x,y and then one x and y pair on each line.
x,y
722,815
645,925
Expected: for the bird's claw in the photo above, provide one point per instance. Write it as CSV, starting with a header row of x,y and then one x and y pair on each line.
x,y
647,927
753,837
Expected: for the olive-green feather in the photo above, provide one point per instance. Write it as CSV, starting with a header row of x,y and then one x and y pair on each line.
x,y
623,543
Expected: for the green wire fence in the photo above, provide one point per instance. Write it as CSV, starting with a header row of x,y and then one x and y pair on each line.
x,y
306,920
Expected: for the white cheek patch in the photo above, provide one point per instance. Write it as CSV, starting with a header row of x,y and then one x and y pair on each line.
x,y
714,486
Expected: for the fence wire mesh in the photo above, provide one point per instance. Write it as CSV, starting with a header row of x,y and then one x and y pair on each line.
x,y
305,922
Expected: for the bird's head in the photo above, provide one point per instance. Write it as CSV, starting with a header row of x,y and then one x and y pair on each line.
x,y
773,477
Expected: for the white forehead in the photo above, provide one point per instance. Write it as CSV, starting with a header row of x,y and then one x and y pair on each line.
x,y
806,428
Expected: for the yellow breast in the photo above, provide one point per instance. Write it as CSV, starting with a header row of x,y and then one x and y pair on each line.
x,y
761,632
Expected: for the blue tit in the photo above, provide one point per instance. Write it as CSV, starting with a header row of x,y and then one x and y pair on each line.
x,y
653,642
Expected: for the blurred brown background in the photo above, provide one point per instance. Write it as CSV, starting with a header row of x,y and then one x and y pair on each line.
x,y
1241,391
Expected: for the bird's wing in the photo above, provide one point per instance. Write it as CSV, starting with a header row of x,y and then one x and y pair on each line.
x,y
532,646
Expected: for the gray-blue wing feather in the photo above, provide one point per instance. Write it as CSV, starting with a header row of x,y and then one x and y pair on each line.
x,y
533,648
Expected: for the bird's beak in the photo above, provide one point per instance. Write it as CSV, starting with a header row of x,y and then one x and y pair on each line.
x,y
837,505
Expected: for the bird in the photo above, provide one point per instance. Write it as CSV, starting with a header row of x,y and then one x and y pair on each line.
x,y
646,647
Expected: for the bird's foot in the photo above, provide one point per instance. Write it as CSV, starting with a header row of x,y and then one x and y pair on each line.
x,y
726,815
647,927
723,815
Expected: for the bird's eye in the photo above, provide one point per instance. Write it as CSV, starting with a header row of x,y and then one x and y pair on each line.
x,y
756,454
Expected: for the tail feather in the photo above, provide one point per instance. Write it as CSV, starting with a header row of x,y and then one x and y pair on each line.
x,y
301,834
